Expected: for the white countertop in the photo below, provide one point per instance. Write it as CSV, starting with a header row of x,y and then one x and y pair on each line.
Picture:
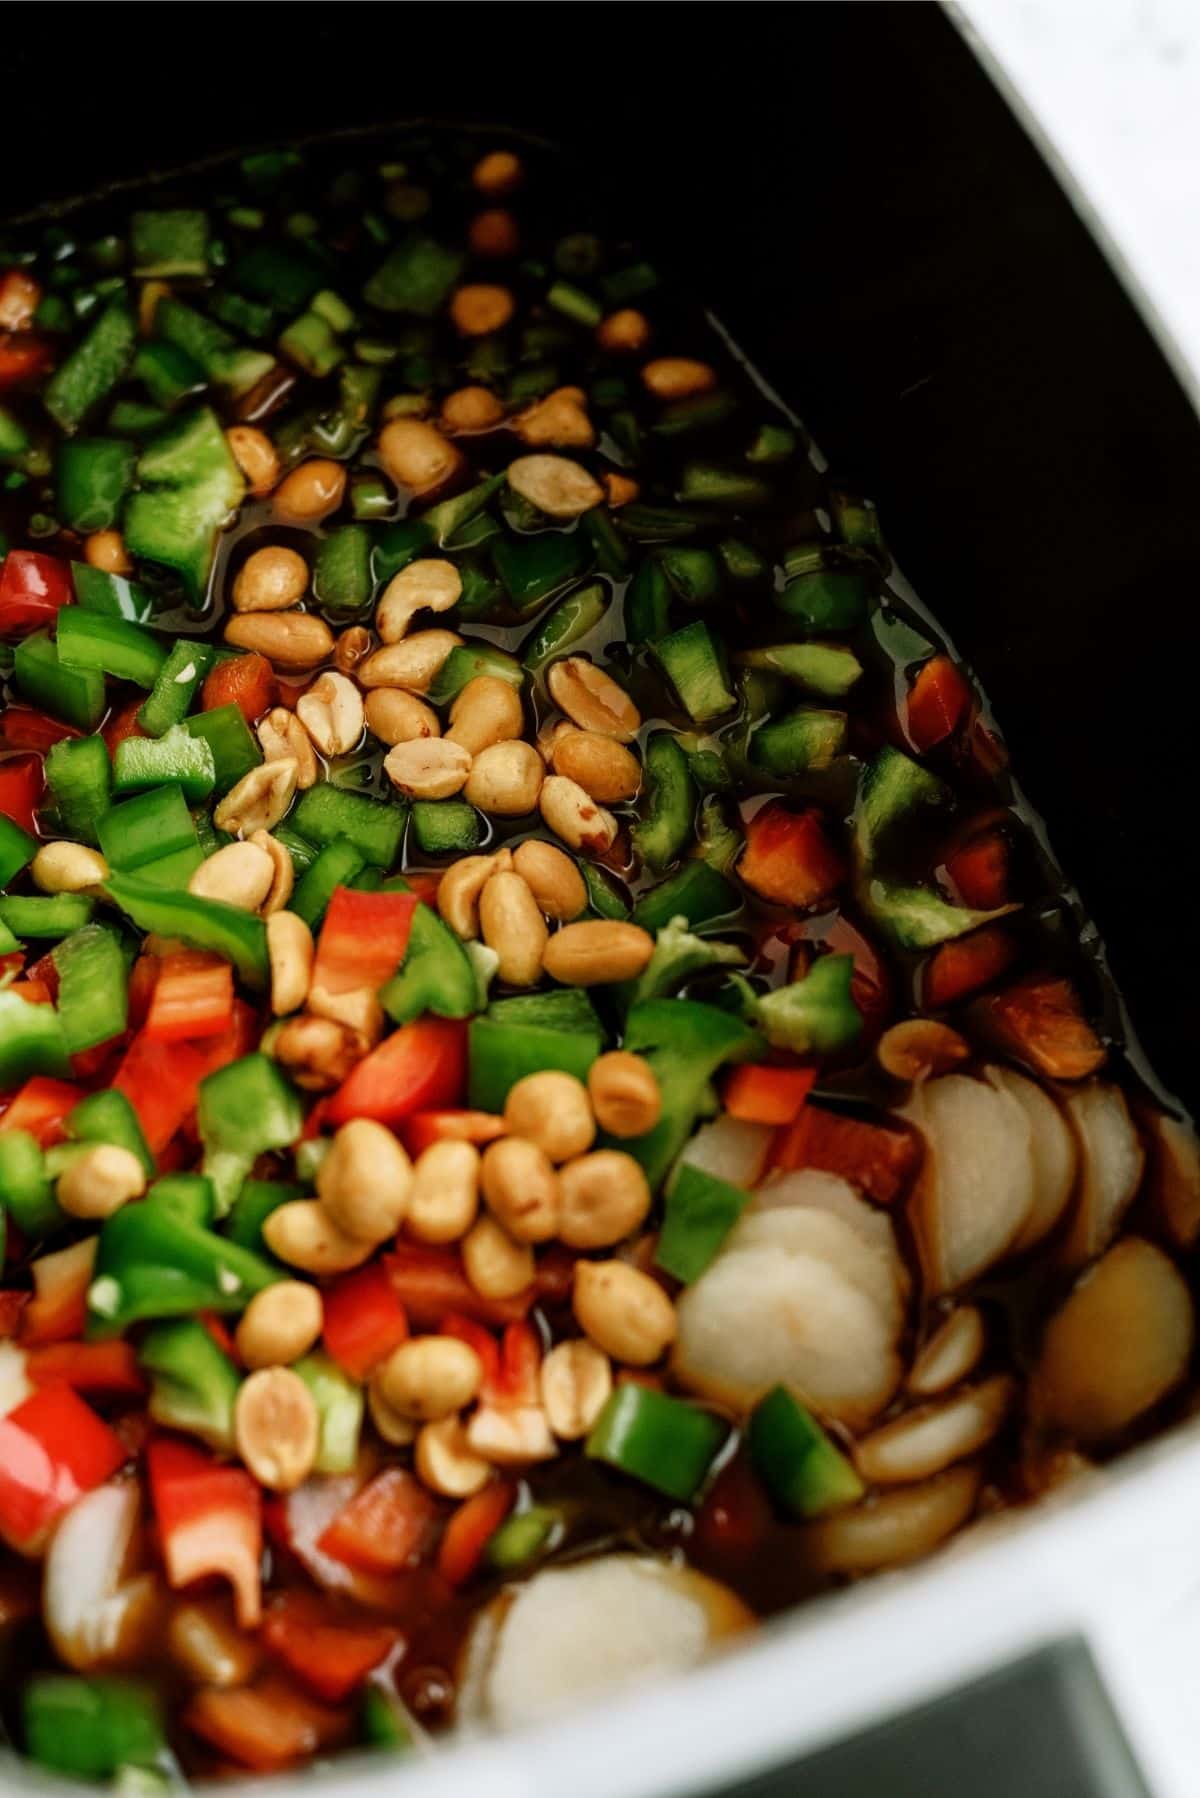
x,y
1113,87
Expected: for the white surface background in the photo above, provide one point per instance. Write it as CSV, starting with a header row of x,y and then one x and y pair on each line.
x,y
1114,88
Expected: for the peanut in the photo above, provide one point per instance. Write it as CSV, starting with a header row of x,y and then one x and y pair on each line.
x,y
416,455
575,817
259,800
494,232
68,868
623,1311
555,485
430,1377
604,768
552,878
597,952
444,1199
332,714
311,492
270,580
470,409
281,734
411,664
364,1181
625,1094
677,377
625,332
256,456
499,172
99,1181
398,717
317,1052
427,767
576,1382
352,645
480,308
290,952
106,550
240,874
276,1428
592,699
521,1189
558,421
496,1266
505,778
302,1233
551,1110
605,1197
460,887
445,1462
486,711
280,1324
432,585
512,925
295,641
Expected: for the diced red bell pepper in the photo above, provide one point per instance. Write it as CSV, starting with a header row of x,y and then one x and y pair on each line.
x,y
331,1657
471,1528
364,1320
266,1727
32,588
421,1067
104,1367
516,1379
192,997
57,1311
209,1522
143,978
12,1304
41,1107
123,724
788,857
938,701
979,870
20,297
963,967
427,1127
161,1080
362,940
477,1337
431,1282
23,728
219,1330
736,1516
1040,1020
247,682
53,1449
21,783
386,1527
765,1095
23,357
34,992
879,1160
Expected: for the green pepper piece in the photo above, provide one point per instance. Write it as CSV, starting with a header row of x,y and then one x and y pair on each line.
x,y
692,661
151,1263
172,241
397,546
534,567
311,343
53,916
414,277
685,1043
718,841
194,1384
179,679
339,1402
826,600
136,418
93,987
829,669
647,604
698,892
190,484
669,803
31,1042
251,1209
188,1196
694,574
916,917
342,583
79,780
664,1442
17,849
465,663
93,367
201,923
168,373
217,351
335,866
234,750
173,873
712,486
244,1110
567,625
140,830
90,1728
26,1191
700,1212
98,591
804,738
678,955
302,852
76,695
856,521
107,1116
383,1721
435,974
111,645
813,1016
374,826
446,826
892,786
175,756
604,896
281,274
92,475
524,1538
448,520
741,561
795,1459
521,1036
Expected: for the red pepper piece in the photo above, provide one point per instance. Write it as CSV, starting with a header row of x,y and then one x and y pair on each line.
x,y
431,1282
332,1658
23,357
161,1080
247,682
192,997
362,939
20,296
53,1449
21,783
386,1527
209,1522
1040,1020
12,1304
427,1127
105,1367
471,1528
421,1067
938,701
32,588
364,1320
766,1095
122,724
963,967
979,870
57,1311
468,1330
41,1107
880,1161
788,857
23,728
266,1727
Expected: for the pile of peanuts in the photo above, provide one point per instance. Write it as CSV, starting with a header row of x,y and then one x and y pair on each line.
x,y
540,1180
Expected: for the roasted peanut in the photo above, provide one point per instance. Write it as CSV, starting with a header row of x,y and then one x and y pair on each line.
x,y
605,1196
575,817
625,1095
604,768
521,1189
557,421
480,308
256,456
100,1180
283,877
624,333
444,1198
290,953
427,767
276,1428
494,232
555,485
619,490
552,878
332,714
358,1009
431,1377
311,492
626,1313
416,455
411,664
510,1435
576,1382
432,584
445,1462
677,377
496,1266
505,778
597,952
281,734
106,550
68,868
511,924
920,1046
317,1052
295,641
592,699
302,1233
352,645
259,800
280,1324
240,874
391,1424
459,889
486,711
551,1110
470,409
397,717
499,172
270,580
364,1181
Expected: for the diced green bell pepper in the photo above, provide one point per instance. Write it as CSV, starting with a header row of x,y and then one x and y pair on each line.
x,y
806,737
92,475
520,1036
251,1209
700,1212
99,591
692,661
227,734
90,1728
567,625
140,830
813,1016
93,987
698,892
694,574
892,786
435,975
648,604
112,645
414,277
190,486
534,567
175,756
17,850
678,956
179,680
201,923
93,367
339,1402
244,1110
383,1720
466,663
524,1538
665,1442
828,599
217,351
53,915
151,1263
26,1190
446,826
342,583
172,241
916,917
718,841
188,1196
194,1384
31,1042
335,866
79,782
685,1043
795,1459
829,669
76,695
107,1116
669,804
374,826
